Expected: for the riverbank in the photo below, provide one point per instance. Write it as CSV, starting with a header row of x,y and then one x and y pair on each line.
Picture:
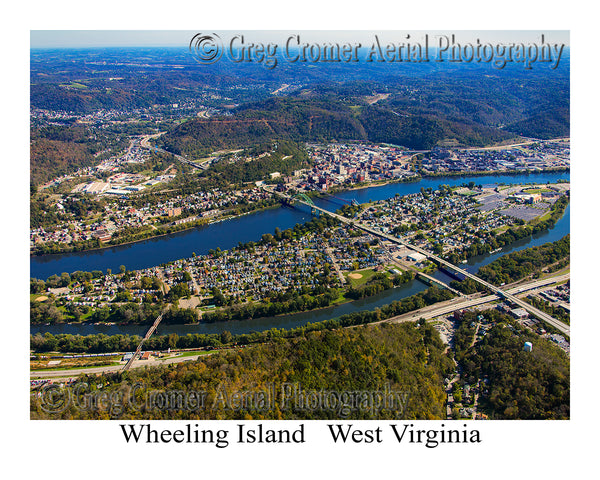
x,y
66,249
426,304
187,226
494,172
243,229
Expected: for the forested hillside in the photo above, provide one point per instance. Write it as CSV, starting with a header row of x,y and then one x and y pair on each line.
x,y
522,385
544,123
417,106
401,358
319,120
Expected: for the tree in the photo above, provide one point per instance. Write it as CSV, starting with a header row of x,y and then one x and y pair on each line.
x,y
65,279
218,297
226,336
36,286
172,340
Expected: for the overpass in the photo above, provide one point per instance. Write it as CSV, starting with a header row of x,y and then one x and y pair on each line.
x,y
449,306
432,280
200,166
145,143
562,327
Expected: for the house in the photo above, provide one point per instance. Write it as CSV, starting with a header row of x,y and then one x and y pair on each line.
x,y
146,356
519,313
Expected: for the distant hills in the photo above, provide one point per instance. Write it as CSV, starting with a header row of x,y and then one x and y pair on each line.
x,y
319,120
545,123
410,104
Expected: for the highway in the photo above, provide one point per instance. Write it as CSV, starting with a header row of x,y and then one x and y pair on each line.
x,y
431,311
449,306
499,292
145,143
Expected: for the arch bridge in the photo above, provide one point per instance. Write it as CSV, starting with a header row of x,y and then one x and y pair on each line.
x,y
305,200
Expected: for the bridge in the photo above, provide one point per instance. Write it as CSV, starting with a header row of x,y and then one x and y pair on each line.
x,y
146,337
341,200
299,197
432,280
303,199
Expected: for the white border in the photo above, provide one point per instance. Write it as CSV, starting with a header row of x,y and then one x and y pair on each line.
x,y
86,449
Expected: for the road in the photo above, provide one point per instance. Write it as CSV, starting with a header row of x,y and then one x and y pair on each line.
x,y
145,143
74,373
528,142
432,311
336,267
458,303
498,291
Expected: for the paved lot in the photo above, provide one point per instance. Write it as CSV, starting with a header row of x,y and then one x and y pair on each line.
x,y
522,212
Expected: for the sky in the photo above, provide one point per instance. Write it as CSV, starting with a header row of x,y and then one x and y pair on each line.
x,y
173,38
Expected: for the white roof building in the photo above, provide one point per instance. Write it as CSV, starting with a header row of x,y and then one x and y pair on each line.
x,y
416,257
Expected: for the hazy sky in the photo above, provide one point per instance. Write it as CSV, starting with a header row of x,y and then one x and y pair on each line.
x,y
108,38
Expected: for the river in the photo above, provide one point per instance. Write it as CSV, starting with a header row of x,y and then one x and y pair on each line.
x,y
250,227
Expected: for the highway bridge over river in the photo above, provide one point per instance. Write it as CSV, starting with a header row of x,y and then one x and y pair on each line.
x,y
304,200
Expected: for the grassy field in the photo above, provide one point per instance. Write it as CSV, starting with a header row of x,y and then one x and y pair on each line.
x,y
67,317
74,363
562,271
197,352
543,218
79,86
365,276
536,190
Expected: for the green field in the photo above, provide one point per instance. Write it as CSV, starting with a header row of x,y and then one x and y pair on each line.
x,y
536,190
197,352
35,296
80,86
367,274
500,230
543,218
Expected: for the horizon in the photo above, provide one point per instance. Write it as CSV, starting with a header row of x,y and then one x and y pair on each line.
x,y
98,39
